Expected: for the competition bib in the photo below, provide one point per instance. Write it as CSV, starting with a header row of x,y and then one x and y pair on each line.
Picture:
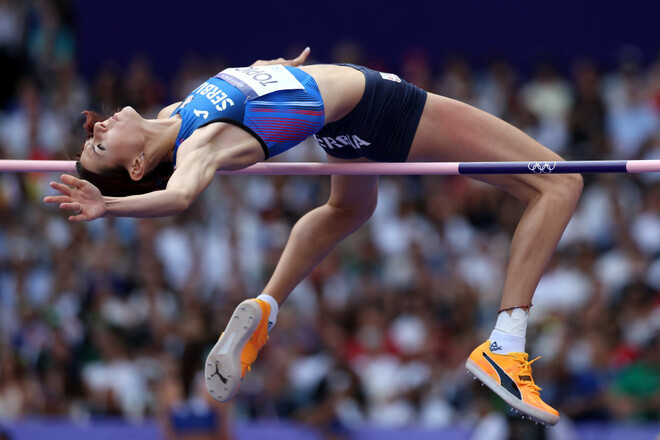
x,y
258,81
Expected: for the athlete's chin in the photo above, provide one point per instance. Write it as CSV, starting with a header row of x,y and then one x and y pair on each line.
x,y
128,111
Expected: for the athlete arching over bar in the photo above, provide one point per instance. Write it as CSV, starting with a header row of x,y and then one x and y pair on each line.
x,y
157,167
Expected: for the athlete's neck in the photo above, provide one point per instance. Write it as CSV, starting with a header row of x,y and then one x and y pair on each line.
x,y
160,138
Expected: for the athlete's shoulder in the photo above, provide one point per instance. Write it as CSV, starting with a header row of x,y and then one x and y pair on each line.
x,y
167,111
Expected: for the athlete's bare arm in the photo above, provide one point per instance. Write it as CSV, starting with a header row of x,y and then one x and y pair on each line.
x,y
218,146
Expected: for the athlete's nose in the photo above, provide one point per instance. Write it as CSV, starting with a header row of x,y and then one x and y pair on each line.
x,y
100,126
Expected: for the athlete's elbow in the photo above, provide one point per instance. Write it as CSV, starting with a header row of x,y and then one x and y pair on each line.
x,y
181,201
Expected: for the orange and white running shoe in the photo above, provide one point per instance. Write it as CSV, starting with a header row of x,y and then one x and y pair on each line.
x,y
510,376
238,347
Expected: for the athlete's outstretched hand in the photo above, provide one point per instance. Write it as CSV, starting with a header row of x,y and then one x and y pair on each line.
x,y
297,61
79,196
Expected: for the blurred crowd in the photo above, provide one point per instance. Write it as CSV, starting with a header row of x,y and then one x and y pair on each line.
x,y
115,317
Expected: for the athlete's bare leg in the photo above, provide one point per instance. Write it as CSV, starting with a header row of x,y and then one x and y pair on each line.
x,y
455,132
351,203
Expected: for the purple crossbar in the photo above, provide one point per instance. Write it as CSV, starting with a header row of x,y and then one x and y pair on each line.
x,y
542,167
377,168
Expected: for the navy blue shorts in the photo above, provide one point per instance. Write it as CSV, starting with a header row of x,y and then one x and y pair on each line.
x,y
383,124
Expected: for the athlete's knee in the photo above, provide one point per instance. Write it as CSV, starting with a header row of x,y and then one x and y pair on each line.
x,y
365,210
575,185
564,189
570,186
357,212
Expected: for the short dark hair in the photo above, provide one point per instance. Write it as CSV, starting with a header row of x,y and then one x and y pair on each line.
x,y
117,182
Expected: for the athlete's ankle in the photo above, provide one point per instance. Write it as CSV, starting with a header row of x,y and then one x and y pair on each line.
x,y
505,343
513,322
508,336
274,309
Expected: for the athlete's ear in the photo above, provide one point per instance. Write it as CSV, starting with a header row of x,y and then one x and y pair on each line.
x,y
138,168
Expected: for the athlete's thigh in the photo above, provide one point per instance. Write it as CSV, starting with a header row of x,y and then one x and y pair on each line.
x,y
355,193
451,131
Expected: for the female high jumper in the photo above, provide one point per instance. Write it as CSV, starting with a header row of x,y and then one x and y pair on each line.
x,y
136,167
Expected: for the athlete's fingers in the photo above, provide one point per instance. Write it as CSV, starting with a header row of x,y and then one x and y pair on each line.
x,y
71,181
72,206
300,59
61,188
57,199
78,218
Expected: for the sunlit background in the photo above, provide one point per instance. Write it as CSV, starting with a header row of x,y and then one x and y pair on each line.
x,y
104,326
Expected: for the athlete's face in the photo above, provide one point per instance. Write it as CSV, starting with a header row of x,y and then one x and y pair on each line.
x,y
115,141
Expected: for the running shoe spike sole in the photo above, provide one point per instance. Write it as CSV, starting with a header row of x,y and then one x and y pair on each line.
x,y
528,410
222,370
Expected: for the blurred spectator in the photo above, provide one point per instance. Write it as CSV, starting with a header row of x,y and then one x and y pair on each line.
x,y
416,69
587,115
142,90
32,130
635,393
549,98
12,24
106,94
20,391
632,117
347,51
49,41
456,81
186,410
496,89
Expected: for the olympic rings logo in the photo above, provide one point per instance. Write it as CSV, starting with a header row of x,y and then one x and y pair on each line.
x,y
541,167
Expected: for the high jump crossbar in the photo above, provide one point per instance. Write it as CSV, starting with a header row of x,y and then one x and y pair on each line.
x,y
380,168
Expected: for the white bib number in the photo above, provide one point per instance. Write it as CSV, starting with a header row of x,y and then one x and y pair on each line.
x,y
258,81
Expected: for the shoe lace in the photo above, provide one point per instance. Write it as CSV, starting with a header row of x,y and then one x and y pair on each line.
x,y
260,339
526,369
